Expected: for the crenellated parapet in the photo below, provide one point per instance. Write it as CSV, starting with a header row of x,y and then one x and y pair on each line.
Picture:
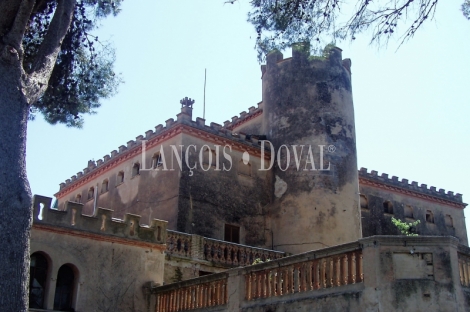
x,y
373,178
102,223
213,132
244,116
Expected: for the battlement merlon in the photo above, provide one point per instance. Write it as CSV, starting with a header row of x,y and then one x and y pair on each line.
x,y
301,54
185,118
244,116
413,187
102,223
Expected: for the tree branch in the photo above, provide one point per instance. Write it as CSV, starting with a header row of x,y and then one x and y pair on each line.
x,y
16,33
46,57
8,11
50,47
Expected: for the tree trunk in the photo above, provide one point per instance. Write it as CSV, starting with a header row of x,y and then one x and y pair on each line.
x,y
15,193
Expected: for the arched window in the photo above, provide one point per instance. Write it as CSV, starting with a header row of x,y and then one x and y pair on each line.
x,y
37,280
209,158
78,198
120,178
104,186
135,169
448,220
64,288
364,202
91,192
388,207
429,216
408,211
156,161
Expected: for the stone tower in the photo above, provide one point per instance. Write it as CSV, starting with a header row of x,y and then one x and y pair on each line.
x,y
308,102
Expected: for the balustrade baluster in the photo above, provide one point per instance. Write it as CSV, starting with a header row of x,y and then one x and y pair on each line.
x,y
466,265
248,286
344,269
352,268
236,259
253,285
182,296
359,274
269,282
331,261
337,261
295,280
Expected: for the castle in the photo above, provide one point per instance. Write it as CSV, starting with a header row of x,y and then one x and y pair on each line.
x,y
195,205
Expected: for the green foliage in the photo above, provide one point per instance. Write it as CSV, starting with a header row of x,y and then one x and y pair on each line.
x,y
466,9
258,260
178,277
281,23
83,73
404,227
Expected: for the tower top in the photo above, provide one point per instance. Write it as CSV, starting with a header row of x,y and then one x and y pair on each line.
x,y
187,102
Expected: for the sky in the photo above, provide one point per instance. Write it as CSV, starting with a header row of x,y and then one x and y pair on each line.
x,y
411,104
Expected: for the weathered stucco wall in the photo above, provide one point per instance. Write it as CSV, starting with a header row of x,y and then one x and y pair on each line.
x,y
309,102
380,273
111,260
376,219
150,194
209,199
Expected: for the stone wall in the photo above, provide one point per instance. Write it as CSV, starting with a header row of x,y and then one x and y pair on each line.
x,y
379,273
382,198
111,259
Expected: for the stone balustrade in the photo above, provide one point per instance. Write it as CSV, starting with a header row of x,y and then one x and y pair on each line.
x,y
326,272
398,272
235,254
464,266
201,295
178,243
217,251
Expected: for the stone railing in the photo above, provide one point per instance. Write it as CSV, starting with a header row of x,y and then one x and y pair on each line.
x,y
464,265
220,252
192,295
334,278
236,254
326,272
178,243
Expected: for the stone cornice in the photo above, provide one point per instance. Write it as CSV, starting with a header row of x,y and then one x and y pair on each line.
x,y
413,190
97,237
212,134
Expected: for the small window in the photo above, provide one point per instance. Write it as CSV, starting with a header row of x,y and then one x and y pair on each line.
x,y
388,207
408,211
244,169
209,156
37,280
135,169
232,233
364,202
78,198
91,193
120,178
157,161
104,186
429,216
449,221
64,289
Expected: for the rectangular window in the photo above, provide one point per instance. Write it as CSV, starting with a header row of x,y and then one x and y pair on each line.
x,y
232,233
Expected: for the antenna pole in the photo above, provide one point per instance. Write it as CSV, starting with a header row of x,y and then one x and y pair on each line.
x,y
204,109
